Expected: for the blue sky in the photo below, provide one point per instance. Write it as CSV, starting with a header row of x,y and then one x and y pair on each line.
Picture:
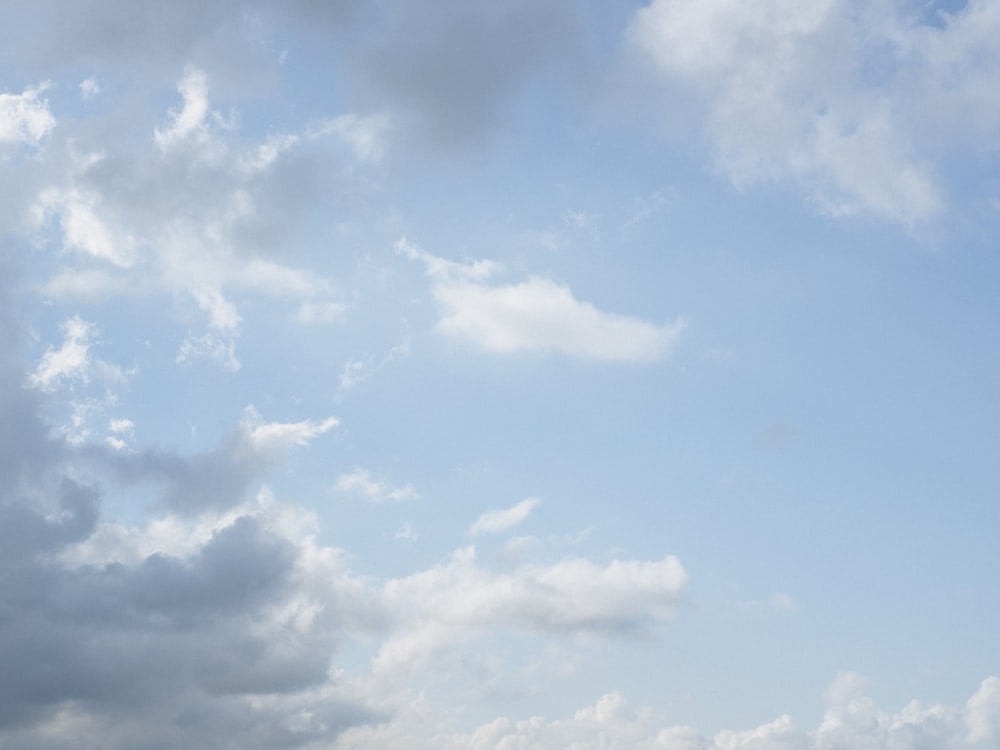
x,y
495,375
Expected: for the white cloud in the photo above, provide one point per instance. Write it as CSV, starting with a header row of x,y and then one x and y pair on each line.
x,y
268,152
218,349
850,100
89,88
536,314
72,361
269,438
360,482
495,521
188,123
612,722
82,227
24,118
121,426
440,609
982,712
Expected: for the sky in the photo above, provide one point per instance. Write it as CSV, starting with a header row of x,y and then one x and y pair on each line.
x,y
463,374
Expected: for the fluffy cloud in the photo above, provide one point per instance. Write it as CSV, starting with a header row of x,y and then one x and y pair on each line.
x,y
536,314
133,636
24,117
494,521
229,600
840,96
439,609
612,722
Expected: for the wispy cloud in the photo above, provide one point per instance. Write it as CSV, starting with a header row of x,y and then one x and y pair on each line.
x,y
360,482
495,521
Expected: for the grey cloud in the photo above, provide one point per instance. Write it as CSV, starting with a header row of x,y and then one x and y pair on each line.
x,y
167,651
119,37
450,67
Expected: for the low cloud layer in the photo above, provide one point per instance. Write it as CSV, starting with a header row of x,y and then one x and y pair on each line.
x,y
612,722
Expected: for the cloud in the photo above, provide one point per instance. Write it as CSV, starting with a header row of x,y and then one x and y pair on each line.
x,y
612,722
358,370
189,122
982,712
366,135
270,438
851,101
235,610
535,315
203,224
229,600
72,361
440,609
495,521
220,478
448,69
24,117
89,88
83,229
360,482
208,346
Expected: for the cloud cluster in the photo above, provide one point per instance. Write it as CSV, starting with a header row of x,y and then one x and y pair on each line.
x,y
217,619
612,723
193,212
535,315
851,100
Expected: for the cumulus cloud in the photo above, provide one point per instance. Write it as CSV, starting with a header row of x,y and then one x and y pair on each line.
x,y
360,482
844,98
232,611
495,521
229,599
537,314
612,722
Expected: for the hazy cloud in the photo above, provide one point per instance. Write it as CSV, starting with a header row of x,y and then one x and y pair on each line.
x,y
360,482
